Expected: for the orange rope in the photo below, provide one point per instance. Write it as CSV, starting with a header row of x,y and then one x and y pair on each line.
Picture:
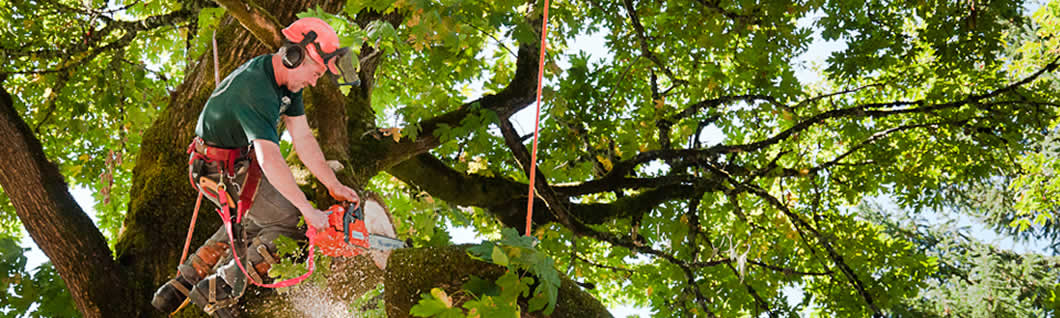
x,y
537,121
191,229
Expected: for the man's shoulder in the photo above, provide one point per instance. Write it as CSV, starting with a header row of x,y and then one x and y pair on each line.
x,y
253,72
250,79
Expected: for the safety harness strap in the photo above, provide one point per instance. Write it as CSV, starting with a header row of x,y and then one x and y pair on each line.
x,y
201,151
180,287
311,233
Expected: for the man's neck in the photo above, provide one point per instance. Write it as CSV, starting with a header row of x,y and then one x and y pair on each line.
x,y
279,71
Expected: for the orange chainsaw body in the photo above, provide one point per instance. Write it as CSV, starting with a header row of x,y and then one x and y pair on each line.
x,y
333,240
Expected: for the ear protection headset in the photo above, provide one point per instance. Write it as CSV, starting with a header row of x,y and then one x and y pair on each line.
x,y
295,53
341,62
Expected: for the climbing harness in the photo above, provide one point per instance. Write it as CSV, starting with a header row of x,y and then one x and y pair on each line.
x,y
202,155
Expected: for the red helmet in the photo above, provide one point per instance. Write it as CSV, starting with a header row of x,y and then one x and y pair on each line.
x,y
325,43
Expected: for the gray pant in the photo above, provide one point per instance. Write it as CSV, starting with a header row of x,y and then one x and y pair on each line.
x,y
270,216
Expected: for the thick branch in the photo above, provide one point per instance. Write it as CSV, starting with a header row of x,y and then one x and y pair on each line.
x,y
57,223
629,206
557,205
255,19
506,199
874,110
516,96
437,178
620,183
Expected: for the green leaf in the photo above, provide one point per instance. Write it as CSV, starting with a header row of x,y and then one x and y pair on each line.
x,y
481,287
499,257
437,304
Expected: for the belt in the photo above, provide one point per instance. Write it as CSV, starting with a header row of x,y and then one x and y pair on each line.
x,y
202,147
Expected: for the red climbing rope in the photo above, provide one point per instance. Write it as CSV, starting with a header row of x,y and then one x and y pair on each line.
x,y
537,121
191,229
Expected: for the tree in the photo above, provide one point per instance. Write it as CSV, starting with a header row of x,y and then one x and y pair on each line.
x,y
932,104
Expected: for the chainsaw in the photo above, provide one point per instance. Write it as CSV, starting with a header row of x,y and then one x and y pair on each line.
x,y
347,235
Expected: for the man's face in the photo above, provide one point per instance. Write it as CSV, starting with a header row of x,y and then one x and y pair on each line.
x,y
305,75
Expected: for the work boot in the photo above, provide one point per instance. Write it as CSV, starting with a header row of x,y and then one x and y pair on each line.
x,y
214,296
170,296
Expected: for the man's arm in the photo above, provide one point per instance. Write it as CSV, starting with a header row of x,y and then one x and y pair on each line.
x,y
308,150
279,174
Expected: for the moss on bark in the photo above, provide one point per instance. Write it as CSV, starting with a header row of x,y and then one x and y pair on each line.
x,y
412,272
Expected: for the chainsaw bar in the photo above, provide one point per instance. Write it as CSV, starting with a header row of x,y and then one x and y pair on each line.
x,y
383,243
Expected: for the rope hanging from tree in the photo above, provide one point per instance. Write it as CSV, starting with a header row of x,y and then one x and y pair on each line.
x,y
198,202
537,121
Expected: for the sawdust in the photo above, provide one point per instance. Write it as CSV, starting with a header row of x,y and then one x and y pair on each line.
x,y
313,301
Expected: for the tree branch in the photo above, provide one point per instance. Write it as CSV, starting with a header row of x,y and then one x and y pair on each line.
x,y
506,199
49,101
836,258
93,39
644,48
519,93
715,102
874,110
557,205
754,294
619,183
716,7
57,223
262,24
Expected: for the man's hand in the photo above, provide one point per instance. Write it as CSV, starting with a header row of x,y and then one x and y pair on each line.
x,y
315,218
344,193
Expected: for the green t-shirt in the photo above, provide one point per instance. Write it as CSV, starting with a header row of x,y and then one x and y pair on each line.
x,y
247,105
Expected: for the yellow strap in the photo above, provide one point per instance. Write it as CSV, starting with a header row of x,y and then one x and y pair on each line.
x,y
218,188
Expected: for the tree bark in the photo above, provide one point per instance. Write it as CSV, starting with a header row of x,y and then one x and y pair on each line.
x,y
56,222
415,271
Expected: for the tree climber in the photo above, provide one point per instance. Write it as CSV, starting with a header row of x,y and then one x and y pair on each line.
x,y
237,141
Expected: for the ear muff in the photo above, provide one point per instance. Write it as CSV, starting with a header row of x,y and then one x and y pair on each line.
x,y
296,52
293,55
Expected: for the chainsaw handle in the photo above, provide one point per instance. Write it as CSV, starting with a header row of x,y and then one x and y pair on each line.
x,y
345,194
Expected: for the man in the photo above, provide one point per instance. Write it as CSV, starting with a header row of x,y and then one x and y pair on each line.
x,y
237,133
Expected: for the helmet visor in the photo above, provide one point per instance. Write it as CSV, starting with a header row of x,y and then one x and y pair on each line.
x,y
342,64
